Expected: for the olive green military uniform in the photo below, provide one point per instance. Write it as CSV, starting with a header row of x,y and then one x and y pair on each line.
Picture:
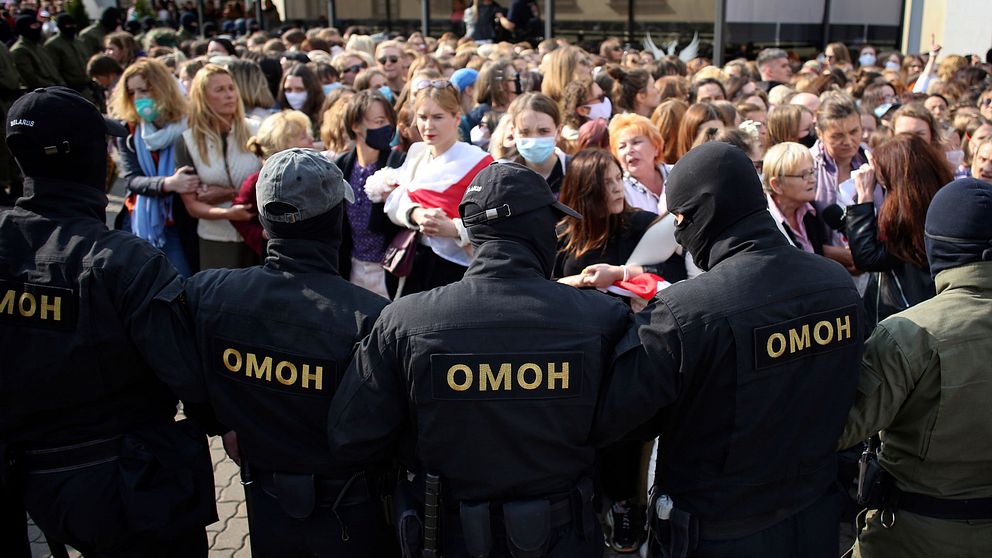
x,y
92,39
926,384
10,84
70,63
34,65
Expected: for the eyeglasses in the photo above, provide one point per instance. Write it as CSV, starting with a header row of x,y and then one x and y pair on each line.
x,y
985,102
354,69
808,175
390,59
616,48
435,83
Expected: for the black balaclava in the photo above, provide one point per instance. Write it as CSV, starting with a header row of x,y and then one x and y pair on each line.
x,y
325,227
67,26
110,19
958,229
713,187
535,230
28,26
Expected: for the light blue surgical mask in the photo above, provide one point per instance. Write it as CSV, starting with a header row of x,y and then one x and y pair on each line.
x,y
892,65
331,87
536,150
387,93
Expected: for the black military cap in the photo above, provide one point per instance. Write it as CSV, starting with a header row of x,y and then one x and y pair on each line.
x,y
505,190
53,120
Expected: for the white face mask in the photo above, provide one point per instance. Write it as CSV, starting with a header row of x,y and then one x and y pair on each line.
x,y
867,59
891,65
295,99
602,109
955,157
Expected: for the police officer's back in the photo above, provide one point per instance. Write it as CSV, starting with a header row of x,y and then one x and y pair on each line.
x,y
493,380
750,367
90,328
275,340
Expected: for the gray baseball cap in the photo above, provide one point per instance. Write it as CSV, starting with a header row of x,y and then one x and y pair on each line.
x,y
297,184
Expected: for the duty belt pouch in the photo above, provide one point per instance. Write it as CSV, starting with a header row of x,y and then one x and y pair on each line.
x,y
167,482
408,520
296,494
528,527
476,528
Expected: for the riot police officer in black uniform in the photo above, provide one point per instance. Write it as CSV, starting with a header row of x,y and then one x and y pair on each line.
x,y
746,373
93,334
275,340
490,384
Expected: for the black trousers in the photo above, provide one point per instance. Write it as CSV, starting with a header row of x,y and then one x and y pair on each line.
x,y
564,542
353,528
86,509
811,533
13,526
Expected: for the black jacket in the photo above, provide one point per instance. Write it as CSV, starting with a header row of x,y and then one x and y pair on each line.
x,y
894,284
748,373
275,340
91,323
492,380
378,222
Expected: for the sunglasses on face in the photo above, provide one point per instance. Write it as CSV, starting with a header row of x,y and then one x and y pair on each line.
x,y
389,59
354,69
985,102
435,83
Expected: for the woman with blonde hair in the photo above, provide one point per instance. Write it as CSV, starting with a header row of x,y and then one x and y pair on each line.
x,y
431,183
214,145
562,66
279,132
253,89
789,181
149,102
333,134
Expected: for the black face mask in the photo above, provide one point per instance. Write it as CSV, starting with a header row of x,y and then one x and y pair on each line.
x,y
380,138
809,139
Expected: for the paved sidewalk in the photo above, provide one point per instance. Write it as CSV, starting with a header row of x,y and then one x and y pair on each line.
x,y
228,537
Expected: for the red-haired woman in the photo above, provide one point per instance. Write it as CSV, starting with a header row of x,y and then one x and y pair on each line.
x,y
890,245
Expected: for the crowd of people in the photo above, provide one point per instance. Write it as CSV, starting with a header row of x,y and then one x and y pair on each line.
x,y
849,148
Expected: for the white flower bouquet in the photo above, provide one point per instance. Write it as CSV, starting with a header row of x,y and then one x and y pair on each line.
x,y
379,185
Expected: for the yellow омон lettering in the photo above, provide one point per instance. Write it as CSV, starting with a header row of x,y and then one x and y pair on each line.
x,y
317,376
820,339
253,369
502,377
228,353
844,327
27,310
799,342
563,375
468,377
55,308
7,304
776,338
284,365
538,375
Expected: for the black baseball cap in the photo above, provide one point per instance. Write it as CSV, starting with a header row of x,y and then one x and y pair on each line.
x,y
507,190
298,184
54,120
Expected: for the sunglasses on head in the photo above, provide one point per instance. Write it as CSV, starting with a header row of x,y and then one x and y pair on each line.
x,y
435,83
390,59
354,69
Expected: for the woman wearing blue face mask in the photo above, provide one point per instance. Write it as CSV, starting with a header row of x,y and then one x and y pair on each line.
x,y
536,124
370,121
154,110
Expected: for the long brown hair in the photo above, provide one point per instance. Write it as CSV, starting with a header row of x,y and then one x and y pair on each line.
x,y
691,121
584,190
912,171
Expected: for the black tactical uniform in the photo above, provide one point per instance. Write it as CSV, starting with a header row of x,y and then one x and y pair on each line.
x,y
275,340
748,372
90,328
492,381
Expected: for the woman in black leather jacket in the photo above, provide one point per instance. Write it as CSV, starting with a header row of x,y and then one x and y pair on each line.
x,y
890,245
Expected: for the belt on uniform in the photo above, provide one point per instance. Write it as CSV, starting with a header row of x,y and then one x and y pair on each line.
x,y
70,458
943,508
328,490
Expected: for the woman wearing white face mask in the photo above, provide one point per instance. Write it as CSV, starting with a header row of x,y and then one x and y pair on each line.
x,y
301,90
536,123
583,101
868,56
